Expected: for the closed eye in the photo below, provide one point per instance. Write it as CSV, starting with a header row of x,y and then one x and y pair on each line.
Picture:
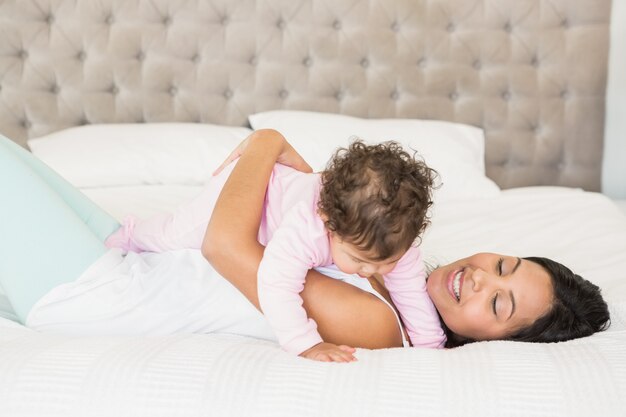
x,y
499,266
356,259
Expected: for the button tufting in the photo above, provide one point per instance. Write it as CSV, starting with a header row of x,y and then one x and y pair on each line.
x,y
561,166
506,96
307,62
50,19
280,24
81,56
109,20
283,94
477,64
454,96
507,27
422,62
534,61
451,27
114,90
224,20
565,23
167,20
394,95
22,54
173,91
395,26
26,124
565,94
54,89
83,121
195,58
228,93
337,25
140,56
536,129
365,63
339,95
253,60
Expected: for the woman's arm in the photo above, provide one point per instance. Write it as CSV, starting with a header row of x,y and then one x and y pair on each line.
x,y
344,313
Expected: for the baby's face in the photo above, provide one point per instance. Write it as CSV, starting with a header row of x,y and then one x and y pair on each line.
x,y
351,260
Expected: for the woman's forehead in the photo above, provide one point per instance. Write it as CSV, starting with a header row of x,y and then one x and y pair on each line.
x,y
533,291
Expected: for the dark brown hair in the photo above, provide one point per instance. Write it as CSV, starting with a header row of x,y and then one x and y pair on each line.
x,y
376,197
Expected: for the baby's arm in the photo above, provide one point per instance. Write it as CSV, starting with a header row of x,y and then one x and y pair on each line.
x,y
407,288
296,246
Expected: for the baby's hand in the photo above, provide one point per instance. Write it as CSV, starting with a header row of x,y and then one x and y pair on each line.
x,y
328,352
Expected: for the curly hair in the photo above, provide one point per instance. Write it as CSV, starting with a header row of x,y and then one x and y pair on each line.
x,y
577,310
376,197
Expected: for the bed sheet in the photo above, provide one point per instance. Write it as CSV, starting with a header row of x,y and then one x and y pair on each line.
x,y
193,375
621,204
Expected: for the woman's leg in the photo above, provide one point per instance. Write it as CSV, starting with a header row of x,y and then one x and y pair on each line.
x,y
101,223
50,232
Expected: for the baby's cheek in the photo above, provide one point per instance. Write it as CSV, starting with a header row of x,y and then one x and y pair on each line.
x,y
349,269
386,269
346,267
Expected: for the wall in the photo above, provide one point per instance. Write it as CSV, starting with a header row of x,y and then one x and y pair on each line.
x,y
614,166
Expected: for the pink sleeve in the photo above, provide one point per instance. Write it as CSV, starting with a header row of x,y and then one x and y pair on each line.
x,y
407,288
299,243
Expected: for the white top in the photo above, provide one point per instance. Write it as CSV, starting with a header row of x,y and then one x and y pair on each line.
x,y
156,294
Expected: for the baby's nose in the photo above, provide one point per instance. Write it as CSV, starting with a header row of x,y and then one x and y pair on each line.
x,y
368,270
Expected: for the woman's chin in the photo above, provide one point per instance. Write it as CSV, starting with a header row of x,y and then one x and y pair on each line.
x,y
433,285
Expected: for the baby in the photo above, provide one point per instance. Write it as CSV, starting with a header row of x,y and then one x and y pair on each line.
x,y
363,214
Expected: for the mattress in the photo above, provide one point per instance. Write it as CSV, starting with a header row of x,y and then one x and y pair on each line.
x,y
621,204
227,375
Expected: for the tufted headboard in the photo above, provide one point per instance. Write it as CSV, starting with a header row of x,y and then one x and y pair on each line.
x,y
532,73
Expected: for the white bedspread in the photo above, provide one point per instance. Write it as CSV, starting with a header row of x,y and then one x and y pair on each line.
x,y
204,375
221,375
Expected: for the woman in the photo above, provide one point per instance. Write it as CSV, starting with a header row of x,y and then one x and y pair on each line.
x,y
497,297
76,286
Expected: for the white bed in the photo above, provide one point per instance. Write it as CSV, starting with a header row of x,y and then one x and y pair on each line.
x,y
228,375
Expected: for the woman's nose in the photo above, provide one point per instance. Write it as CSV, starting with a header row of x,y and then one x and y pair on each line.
x,y
478,278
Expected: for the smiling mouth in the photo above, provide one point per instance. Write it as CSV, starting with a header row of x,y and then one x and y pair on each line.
x,y
454,285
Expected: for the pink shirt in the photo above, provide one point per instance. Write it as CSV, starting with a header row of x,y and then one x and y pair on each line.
x,y
297,241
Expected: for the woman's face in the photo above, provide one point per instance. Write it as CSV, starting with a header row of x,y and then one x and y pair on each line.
x,y
489,296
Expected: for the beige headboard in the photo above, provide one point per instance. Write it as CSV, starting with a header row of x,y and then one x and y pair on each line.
x,y
532,73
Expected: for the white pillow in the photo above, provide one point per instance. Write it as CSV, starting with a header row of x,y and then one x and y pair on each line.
x,y
135,154
456,151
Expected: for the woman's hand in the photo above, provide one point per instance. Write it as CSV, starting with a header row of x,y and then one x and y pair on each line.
x,y
288,156
328,352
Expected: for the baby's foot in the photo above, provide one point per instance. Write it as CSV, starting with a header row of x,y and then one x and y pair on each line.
x,y
121,238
